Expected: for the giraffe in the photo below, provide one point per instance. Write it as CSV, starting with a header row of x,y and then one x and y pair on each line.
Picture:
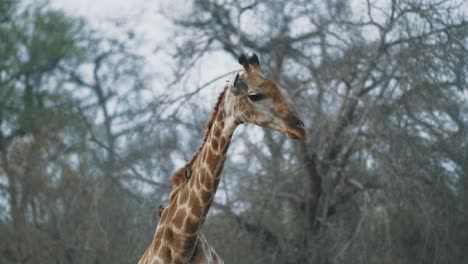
x,y
248,98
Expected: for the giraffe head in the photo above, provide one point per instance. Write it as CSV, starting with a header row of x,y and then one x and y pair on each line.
x,y
258,100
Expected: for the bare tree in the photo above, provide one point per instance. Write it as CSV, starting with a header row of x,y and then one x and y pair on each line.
x,y
376,89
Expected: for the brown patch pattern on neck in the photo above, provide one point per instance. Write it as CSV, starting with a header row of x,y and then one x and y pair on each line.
x,y
179,176
209,125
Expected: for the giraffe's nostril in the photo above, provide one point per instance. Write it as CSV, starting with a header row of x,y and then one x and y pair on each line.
x,y
296,128
293,121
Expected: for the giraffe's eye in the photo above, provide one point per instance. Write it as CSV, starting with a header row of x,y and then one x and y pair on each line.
x,y
256,97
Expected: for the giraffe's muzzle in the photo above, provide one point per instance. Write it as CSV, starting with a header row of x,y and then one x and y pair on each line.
x,y
295,128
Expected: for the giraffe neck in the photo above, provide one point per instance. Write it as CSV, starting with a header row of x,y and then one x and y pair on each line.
x,y
210,162
179,228
207,167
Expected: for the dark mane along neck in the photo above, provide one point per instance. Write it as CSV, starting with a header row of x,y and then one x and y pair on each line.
x,y
179,176
209,124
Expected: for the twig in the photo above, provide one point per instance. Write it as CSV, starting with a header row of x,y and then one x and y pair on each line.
x,y
189,95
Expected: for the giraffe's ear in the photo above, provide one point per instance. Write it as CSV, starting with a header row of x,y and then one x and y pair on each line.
x,y
236,85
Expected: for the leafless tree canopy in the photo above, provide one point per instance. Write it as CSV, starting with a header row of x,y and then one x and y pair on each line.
x,y
87,144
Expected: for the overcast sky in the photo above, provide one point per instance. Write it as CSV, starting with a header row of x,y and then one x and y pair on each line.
x,y
144,18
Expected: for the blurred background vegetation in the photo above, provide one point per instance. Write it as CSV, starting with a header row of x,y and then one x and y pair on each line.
x,y
87,142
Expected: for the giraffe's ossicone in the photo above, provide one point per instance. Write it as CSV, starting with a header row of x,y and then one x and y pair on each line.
x,y
248,98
